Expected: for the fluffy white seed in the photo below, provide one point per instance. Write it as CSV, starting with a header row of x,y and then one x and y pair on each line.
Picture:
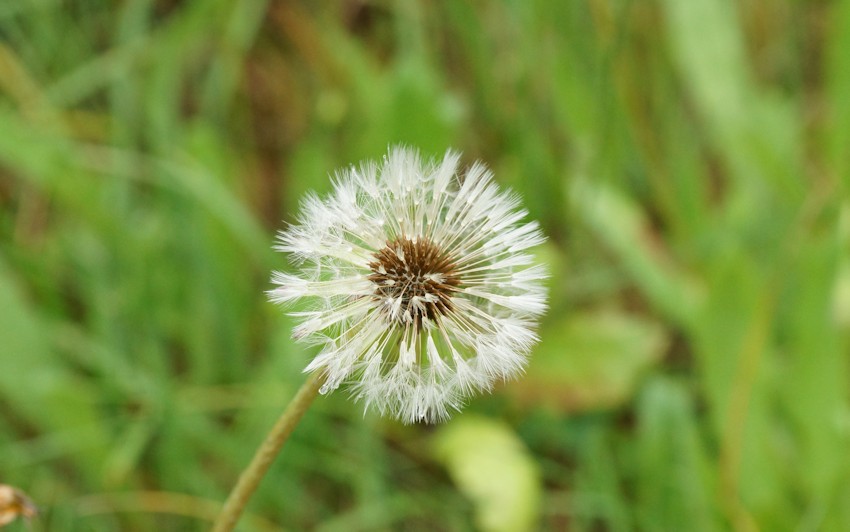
x,y
424,288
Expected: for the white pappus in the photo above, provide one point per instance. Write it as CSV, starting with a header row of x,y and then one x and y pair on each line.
x,y
422,287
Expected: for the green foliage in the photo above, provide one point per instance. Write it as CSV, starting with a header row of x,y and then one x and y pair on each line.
x,y
499,476
688,160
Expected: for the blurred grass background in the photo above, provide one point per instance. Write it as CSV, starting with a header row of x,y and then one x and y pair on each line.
x,y
688,160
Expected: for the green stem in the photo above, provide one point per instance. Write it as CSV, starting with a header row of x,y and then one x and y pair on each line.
x,y
265,455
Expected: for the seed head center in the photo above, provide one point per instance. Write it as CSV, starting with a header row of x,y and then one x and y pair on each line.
x,y
414,279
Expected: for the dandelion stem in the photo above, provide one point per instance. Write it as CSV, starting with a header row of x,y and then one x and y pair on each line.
x,y
266,453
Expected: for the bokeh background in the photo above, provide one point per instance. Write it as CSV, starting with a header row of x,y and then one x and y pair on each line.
x,y
688,160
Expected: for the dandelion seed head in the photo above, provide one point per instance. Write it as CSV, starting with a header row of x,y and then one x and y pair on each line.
x,y
424,291
418,274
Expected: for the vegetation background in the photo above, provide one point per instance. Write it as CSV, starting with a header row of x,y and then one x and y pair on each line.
x,y
689,161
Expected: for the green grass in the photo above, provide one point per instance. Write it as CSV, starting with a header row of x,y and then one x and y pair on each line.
x,y
689,162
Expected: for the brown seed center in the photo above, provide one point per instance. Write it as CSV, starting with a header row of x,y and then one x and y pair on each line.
x,y
414,279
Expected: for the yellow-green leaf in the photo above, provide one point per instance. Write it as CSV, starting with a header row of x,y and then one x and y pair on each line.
x,y
491,466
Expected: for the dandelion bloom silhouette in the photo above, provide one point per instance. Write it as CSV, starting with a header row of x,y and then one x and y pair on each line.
x,y
423,292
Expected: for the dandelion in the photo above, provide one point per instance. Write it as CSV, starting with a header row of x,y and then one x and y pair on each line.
x,y
422,288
